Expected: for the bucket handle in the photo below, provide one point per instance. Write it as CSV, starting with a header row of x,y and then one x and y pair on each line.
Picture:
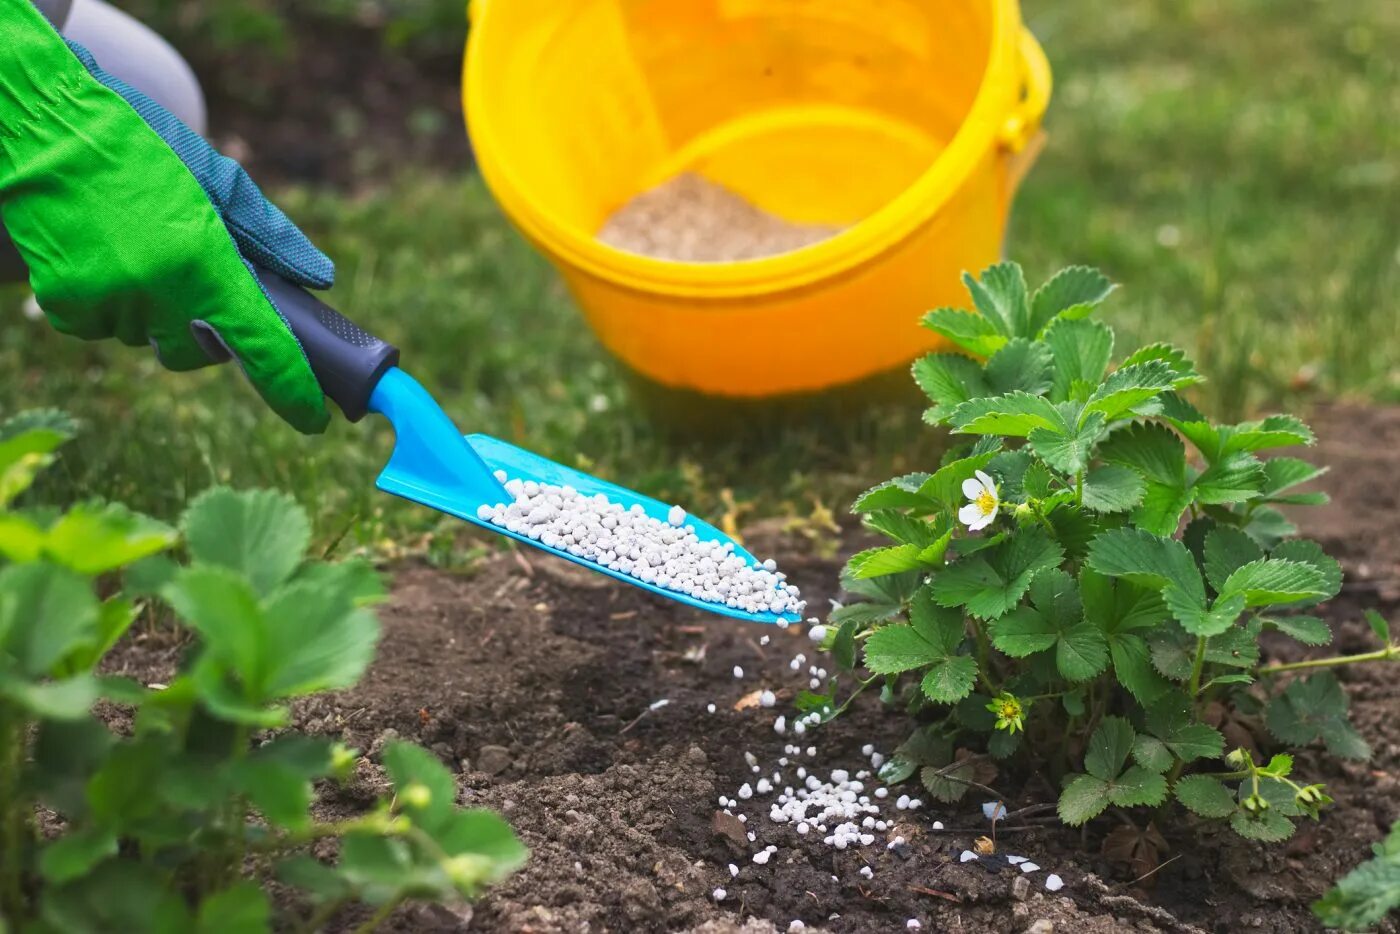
x,y
1021,135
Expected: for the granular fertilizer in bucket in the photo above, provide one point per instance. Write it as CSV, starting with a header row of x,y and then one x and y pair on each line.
x,y
691,219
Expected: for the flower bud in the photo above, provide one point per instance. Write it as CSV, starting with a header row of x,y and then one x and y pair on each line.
x,y
416,796
343,760
467,871
1312,799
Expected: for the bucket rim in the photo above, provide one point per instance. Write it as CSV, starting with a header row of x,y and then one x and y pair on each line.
x,y
981,131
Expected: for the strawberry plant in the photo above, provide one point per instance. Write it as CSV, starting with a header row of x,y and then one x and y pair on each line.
x,y
172,823
1368,893
1085,580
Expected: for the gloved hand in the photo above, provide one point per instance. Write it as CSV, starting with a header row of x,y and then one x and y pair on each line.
x,y
134,227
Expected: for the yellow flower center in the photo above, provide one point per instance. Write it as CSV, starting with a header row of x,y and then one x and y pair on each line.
x,y
986,502
1010,711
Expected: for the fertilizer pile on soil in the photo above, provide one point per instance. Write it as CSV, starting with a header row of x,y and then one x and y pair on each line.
x,y
693,220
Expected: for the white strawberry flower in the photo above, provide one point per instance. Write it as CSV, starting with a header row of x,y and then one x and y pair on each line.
x,y
981,490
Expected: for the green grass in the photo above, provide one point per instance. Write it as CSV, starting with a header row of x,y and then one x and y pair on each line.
x,y
1234,164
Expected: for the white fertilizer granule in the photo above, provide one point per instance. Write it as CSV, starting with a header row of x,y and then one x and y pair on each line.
x,y
665,553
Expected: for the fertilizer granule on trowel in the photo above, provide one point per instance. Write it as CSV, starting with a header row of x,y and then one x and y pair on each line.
x,y
668,554
691,219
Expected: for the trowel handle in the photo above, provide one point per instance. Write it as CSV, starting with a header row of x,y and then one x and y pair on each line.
x,y
348,361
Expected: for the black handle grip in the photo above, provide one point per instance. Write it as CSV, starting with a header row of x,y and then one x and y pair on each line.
x,y
347,360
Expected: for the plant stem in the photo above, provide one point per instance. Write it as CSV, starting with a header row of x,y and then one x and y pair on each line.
x,y
12,815
856,693
1043,519
1172,776
1380,655
1098,705
984,657
238,825
1063,758
1196,667
1079,488
377,823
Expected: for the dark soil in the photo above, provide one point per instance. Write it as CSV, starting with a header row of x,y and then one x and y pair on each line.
x,y
329,97
534,682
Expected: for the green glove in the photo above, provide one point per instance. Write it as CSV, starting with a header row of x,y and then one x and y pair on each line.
x,y
134,228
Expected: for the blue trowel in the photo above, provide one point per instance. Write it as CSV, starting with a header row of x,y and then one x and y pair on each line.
x,y
433,463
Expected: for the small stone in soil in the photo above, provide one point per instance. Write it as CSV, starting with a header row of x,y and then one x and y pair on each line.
x,y
493,760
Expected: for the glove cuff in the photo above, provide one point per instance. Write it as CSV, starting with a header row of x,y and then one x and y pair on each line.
x,y
36,70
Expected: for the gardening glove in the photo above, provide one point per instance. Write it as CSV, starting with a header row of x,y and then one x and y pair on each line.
x,y
134,227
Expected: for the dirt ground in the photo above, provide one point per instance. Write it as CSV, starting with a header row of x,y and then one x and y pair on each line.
x,y
536,683
376,108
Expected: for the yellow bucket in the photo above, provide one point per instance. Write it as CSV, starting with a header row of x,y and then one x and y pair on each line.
x,y
909,123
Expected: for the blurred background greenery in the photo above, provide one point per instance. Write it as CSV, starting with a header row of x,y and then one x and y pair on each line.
x,y
1234,164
